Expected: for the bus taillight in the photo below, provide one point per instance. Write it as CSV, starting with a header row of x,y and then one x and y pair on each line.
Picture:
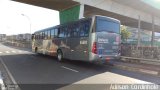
x,y
108,59
94,48
118,39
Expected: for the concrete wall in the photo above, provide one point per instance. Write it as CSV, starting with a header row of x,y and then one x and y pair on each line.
x,y
110,5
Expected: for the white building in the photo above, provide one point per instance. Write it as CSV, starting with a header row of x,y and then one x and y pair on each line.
x,y
2,37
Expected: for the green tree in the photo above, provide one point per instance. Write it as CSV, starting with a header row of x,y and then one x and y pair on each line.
x,y
125,34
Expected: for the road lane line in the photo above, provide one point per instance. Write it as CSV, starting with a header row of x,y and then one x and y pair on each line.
x,y
69,69
7,52
20,51
9,73
14,51
149,71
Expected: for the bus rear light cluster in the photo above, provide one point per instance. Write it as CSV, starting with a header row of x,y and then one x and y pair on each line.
x,y
108,59
118,39
94,48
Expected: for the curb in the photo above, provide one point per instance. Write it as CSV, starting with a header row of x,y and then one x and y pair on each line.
x,y
134,69
141,60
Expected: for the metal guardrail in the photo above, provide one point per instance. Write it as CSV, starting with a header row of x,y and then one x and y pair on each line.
x,y
141,59
20,43
141,54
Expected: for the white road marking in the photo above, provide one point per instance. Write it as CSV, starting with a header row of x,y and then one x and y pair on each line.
x,y
2,82
69,69
149,71
7,52
14,51
19,51
9,73
26,51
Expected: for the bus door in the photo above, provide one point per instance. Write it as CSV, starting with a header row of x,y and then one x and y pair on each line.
x,y
39,42
62,40
84,40
45,42
72,41
79,40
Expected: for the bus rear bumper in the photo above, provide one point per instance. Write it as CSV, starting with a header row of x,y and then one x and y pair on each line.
x,y
103,58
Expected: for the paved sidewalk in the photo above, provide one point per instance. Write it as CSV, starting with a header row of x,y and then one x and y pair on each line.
x,y
138,67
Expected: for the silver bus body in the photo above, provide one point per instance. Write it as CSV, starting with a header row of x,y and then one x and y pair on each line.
x,y
78,44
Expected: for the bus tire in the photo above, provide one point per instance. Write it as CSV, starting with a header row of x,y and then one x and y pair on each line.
x,y
59,55
36,50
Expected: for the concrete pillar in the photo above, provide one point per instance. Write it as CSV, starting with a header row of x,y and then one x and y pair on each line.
x,y
72,14
152,39
81,13
139,30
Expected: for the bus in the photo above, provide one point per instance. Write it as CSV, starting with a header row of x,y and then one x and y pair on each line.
x,y
94,39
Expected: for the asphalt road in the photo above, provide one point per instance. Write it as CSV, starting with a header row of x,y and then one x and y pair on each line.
x,y
32,71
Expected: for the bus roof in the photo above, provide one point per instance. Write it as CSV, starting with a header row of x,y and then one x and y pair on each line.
x,y
61,25
110,18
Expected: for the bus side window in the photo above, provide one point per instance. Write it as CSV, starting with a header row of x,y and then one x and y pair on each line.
x,y
52,33
41,35
87,27
71,30
49,34
65,31
84,30
38,36
68,31
56,32
35,36
61,32
46,34
75,30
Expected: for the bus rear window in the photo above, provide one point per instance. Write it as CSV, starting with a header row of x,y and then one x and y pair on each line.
x,y
103,24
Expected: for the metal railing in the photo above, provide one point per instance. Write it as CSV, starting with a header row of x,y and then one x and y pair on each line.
x,y
145,52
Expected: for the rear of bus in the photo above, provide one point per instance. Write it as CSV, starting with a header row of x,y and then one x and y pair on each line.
x,y
105,39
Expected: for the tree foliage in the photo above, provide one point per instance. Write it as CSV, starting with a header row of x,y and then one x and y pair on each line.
x,y
125,34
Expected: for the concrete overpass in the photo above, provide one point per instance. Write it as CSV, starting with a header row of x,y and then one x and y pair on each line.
x,y
133,13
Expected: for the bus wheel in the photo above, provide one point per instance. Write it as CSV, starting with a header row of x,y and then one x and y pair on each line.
x,y
59,55
36,50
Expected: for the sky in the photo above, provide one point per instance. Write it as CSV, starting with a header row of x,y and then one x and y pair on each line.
x,y
16,18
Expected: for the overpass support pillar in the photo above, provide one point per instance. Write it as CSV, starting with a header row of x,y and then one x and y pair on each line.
x,y
153,35
139,30
71,14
